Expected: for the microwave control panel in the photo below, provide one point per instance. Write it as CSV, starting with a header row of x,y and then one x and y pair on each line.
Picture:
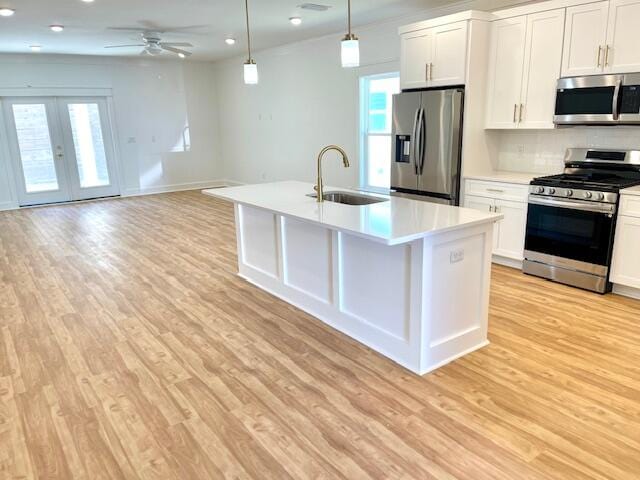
x,y
630,99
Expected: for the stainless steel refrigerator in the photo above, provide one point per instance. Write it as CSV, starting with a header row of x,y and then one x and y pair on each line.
x,y
426,145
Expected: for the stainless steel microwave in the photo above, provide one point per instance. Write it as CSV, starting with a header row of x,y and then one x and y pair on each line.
x,y
598,100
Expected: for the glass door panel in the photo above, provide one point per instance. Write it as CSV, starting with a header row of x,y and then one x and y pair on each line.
x,y
36,150
88,146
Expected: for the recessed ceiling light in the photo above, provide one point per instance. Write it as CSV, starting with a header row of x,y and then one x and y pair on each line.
x,y
181,55
6,12
230,41
295,21
56,28
87,1
35,48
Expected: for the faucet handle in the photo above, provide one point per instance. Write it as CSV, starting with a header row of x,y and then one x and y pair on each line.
x,y
315,187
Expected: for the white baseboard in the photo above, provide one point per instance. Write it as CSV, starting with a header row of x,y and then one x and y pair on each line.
x,y
8,206
507,262
626,291
177,187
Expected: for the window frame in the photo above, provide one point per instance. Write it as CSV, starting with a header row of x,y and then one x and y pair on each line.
x,y
365,82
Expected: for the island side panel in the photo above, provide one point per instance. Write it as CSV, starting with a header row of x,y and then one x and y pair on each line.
x,y
457,275
367,290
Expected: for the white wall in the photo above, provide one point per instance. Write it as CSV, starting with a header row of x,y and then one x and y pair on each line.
x,y
152,103
304,101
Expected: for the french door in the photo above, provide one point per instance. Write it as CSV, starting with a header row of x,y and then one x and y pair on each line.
x,y
61,149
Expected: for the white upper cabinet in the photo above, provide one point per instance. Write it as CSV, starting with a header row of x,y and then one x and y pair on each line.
x,y
434,57
542,60
416,55
506,63
524,65
622,49
449,55
584,39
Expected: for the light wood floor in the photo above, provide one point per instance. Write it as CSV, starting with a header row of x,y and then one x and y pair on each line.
x,y
129,349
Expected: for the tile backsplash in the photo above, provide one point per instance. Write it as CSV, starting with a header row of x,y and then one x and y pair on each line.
x,y
542,151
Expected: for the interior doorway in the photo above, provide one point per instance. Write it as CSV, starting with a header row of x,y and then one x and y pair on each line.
x,y
61,149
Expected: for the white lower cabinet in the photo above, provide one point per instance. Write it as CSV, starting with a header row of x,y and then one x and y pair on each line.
x,y
625,266
511,201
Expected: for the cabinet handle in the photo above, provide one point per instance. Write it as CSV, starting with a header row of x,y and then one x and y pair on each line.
x,y
495,190
430,71
515,110
599,54
520,114
491,208
606,56
496,209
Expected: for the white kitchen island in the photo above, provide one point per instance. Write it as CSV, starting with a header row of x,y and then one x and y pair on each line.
x,y
409,279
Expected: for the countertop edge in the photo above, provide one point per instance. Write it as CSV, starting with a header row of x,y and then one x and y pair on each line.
x,y
384,241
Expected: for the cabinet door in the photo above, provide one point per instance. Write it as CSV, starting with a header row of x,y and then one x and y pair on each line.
x,y
512,229
543,59
505,71
416,55
623,41
584,39
448,66
484,204
625,267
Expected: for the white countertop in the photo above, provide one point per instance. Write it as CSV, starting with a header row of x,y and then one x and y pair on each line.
x,y
396,221
507,177
631,191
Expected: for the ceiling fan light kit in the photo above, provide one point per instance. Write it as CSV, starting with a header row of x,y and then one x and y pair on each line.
x,y
250,67
153,45
350,46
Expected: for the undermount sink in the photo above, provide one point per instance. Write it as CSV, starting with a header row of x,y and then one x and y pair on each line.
x,y
349,198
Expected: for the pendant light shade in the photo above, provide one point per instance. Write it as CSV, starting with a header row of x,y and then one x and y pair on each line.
x,y
350,48
250,73
250,67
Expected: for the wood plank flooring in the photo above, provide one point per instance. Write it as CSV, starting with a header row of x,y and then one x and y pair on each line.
x,y
130,349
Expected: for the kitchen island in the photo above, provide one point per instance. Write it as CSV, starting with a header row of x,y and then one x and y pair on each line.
x,y
409,279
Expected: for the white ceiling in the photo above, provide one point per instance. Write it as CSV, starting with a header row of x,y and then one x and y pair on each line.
x,y
87,24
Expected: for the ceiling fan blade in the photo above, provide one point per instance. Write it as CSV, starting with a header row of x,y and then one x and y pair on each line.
x,y
176,44
128,29
176,50
125,46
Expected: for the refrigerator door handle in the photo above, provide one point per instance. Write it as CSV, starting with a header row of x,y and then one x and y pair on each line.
x,y
414,140
421,140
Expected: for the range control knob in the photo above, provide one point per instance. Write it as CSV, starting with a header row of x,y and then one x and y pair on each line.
x,y
540,190
569,193
587,194
552,191
599,196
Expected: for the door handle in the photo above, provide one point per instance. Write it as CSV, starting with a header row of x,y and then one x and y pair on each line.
x,y
520,114
599,54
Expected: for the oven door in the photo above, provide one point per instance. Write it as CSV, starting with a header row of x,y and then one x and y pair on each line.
x,y
588,100
571,234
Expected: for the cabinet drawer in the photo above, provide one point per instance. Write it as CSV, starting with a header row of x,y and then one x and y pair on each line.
x,y
630,206
506,191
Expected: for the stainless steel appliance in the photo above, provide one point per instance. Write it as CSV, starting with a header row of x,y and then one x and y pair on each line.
x,y
426,145
572,217
598,100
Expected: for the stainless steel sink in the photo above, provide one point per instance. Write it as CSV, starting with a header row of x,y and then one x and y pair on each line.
x,y
349,198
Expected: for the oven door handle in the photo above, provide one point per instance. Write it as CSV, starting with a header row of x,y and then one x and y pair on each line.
x,y
573,205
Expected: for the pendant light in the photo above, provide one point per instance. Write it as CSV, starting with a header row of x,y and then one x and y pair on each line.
x,y
350,46
250,67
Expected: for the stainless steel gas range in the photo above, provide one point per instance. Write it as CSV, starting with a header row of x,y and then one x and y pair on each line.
x,y
572,217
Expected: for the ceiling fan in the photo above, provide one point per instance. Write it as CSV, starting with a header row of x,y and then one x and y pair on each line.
x,y
153,45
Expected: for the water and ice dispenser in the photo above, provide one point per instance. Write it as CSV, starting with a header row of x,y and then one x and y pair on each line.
x,y
403,147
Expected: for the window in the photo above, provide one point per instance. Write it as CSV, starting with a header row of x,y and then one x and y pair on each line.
x,y
376,93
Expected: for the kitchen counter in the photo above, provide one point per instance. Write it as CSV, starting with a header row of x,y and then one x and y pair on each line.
x,y
394,221
506,177
409,279
631,191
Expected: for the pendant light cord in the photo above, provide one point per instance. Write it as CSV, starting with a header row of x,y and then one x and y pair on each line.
x,y
246,5
349,16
